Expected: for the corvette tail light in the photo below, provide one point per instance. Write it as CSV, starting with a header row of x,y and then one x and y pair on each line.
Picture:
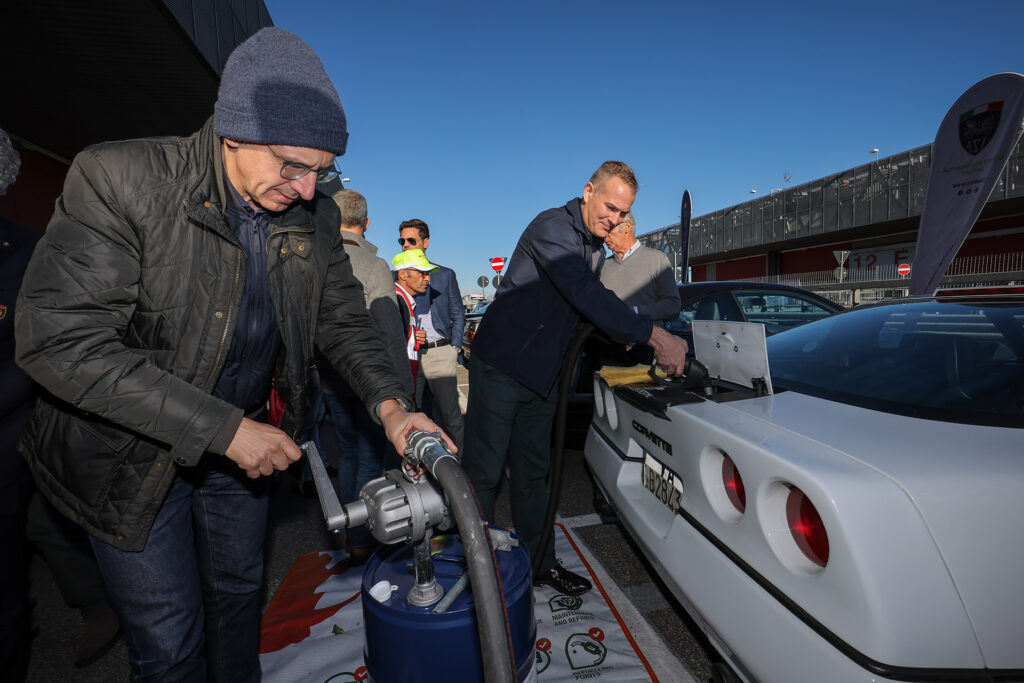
x,y
733,484
807,528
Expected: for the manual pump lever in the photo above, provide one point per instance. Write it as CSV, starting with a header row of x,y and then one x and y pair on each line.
x,y
396,508
335,516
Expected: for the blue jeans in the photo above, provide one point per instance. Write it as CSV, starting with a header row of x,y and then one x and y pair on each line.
x,y
190,600
361,448
311,432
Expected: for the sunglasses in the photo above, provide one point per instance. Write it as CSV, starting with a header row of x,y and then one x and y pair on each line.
x,y
410,240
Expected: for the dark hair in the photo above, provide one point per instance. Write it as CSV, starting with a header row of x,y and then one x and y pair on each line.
x,y
418,224
617,169
353,208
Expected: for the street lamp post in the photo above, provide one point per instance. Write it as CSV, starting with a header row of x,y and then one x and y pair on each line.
x,y
875,152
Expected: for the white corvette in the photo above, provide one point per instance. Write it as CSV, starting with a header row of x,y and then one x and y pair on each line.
x,y
855,513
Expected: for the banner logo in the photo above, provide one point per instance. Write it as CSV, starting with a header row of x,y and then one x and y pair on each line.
x,y
585,650
3,311
357,676
543,656
564,603
978,126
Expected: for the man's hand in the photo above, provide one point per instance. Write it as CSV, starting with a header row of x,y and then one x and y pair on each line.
x,y
421,336
259,449
669,351
398,423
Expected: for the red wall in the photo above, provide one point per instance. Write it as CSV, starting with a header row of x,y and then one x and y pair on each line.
x,y
809,260
1003,244
740,269
30,199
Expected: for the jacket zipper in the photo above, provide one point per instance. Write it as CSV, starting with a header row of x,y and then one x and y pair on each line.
x,y
227,323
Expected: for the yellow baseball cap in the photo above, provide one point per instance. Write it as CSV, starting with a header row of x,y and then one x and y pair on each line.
x,y
412,258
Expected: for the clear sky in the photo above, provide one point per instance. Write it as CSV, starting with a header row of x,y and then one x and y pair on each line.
x,y
476,116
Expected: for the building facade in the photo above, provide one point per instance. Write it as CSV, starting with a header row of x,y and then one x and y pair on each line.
x,y
848,234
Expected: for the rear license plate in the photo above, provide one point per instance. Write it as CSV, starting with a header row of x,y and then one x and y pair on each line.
x,y
662,482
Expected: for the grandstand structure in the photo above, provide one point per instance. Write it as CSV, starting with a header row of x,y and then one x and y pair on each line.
x,y
846,235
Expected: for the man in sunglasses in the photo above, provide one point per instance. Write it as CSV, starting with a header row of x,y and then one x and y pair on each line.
x,y
176,276
442,320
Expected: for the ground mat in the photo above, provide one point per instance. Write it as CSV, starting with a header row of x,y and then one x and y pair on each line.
x,y
313,629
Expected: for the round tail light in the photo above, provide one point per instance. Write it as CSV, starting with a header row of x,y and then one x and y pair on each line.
x,y
733,484
807,528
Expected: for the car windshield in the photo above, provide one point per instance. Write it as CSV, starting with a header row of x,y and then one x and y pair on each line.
x,y
950,361
776,309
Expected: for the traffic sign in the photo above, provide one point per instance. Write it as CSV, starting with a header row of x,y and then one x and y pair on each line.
x,y
482,281
903,269
496,281
497,263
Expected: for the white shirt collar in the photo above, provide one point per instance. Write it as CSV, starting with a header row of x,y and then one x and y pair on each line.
x,y
636,245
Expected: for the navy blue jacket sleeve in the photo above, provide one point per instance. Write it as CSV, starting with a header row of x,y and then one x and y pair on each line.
x,y
456,312
561,262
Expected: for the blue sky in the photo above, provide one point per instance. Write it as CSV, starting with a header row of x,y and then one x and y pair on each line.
x,y
477,116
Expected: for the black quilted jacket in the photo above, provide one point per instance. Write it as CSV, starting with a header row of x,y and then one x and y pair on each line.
x,y
124,318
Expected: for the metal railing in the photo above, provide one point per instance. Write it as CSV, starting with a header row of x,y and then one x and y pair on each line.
x,y
857,285
988,264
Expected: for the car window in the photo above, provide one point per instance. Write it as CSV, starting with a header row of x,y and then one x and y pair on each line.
x,y
715,306
947,361
779,310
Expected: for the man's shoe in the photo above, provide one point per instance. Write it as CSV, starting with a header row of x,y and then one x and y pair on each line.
x,y
564,581
99,634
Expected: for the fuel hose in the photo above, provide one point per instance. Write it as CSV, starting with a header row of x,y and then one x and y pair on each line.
x,y
489,598
558,452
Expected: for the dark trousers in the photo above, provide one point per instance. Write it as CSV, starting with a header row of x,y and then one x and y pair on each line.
x,y
362,446
507,421
14,610
190,600
65,547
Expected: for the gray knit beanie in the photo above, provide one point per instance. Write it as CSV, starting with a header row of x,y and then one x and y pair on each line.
x,y
274,91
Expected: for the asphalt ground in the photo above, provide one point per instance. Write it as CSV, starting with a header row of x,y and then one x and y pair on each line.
x,y
671,642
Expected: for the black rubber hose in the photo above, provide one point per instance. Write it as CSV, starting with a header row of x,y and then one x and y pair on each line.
x,y
555,467
489,599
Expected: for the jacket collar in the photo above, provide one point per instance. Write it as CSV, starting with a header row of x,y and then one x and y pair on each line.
x,y
574,209
208,195
360,240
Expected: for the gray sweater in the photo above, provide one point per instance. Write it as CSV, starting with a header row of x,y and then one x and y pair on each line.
x,y
643,279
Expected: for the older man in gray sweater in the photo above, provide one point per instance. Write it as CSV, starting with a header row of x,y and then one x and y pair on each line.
x,y
639,275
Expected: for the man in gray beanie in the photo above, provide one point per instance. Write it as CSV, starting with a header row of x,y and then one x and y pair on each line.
x,y
177,275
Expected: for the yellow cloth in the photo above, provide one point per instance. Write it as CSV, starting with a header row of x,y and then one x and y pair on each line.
x,y
613,375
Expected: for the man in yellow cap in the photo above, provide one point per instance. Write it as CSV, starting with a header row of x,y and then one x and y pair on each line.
x,y
412,275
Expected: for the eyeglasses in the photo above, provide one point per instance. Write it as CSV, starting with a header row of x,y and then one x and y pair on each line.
x,y
293,170
411,240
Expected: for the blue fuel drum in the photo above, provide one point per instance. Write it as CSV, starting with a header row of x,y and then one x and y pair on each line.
x,y
407,644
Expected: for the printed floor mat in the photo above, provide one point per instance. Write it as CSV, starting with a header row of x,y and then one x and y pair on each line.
x,y
313,629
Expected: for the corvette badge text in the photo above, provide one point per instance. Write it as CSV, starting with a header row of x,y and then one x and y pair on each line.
x,y
652,437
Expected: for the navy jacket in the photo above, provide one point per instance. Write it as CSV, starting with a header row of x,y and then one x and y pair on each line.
x,y
552,279
17,392
447,312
